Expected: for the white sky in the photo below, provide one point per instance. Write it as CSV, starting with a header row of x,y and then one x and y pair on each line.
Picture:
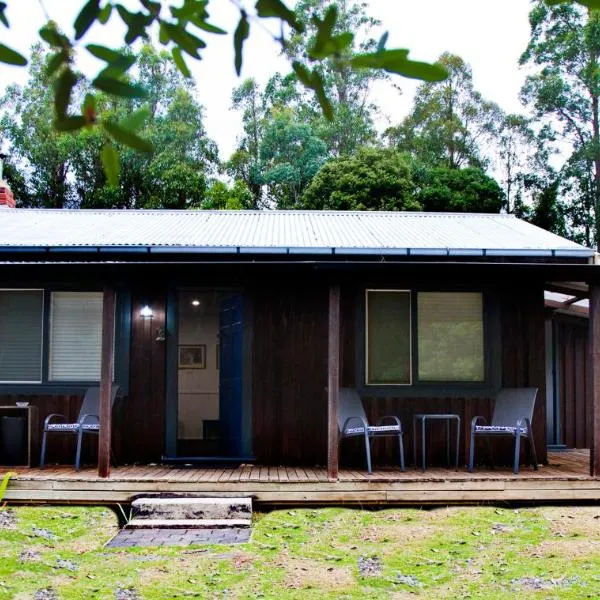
x,y
490,36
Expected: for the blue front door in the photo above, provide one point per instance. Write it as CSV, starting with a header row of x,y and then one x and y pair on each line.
x,y
231,329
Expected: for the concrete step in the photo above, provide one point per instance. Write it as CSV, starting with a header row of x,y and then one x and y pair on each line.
x,y
188,523
192,508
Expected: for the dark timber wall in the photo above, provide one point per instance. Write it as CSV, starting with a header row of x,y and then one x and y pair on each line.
x,y
289,376
572,362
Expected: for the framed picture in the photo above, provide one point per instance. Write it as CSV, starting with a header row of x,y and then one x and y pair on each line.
x,y
192,357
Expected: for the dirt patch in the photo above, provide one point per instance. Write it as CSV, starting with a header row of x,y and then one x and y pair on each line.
x,y
308,574
537,583
126,594
8,519
572,521
572,548
397,532
369,566
45,594
30,555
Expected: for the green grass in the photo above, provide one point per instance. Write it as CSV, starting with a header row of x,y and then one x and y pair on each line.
x,y
482,552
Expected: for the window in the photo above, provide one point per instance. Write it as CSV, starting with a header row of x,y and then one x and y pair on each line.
x,y
21,318
388,337
450,333
447,332
75,336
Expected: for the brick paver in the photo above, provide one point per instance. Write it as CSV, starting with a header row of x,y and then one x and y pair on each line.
x,y
127,538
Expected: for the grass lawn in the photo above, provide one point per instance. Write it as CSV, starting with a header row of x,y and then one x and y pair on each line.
x,y
481,552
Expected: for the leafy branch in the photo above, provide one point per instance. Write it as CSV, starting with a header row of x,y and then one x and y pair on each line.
x,y
182,29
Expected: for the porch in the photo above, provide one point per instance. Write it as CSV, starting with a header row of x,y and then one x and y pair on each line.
x,y
564,479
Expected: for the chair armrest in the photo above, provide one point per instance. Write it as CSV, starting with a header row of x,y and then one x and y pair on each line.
x,y
523,422
474,421
393,418
83,419
51,416
361,420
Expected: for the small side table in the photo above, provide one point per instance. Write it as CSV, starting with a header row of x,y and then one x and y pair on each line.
x,y
437,417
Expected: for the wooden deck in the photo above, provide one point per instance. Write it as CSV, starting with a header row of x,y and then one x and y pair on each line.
x,y
566,479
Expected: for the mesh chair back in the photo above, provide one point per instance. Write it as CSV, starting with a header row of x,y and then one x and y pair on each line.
x,y
512,404
91,400
350,406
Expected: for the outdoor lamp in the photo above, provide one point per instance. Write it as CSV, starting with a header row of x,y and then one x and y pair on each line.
x,y
146,312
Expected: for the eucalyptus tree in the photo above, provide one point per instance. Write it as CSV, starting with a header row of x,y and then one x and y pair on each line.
x,y
182,28
564,93
449,121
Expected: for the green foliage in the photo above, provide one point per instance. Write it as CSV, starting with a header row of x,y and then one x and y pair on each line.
x,y
220,196
180,27
442,189
564,50
548,212
92,167
4,484
448,121
290,156
373,179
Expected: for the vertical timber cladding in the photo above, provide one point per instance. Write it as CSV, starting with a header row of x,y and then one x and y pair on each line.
x,y
289,373
523,352
144,410
573,364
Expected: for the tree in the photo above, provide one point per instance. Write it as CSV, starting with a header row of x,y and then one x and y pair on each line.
x,y
372,179
221,196
564,92
174,176
179,27
27,125
348,89
290,155
448,122
441,189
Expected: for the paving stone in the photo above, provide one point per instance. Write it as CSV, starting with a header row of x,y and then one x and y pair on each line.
x,y
127,538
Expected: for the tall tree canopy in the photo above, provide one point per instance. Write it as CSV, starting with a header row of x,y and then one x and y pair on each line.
x,y
66,169
448,122
564,92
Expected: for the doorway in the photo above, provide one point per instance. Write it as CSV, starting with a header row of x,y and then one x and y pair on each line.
x,y
208,405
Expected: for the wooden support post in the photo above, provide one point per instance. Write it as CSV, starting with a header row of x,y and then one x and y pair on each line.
x,y
333,382
106,380
594,404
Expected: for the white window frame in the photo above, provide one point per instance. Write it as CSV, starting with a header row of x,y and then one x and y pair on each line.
x,y
410,337
50,325
42,341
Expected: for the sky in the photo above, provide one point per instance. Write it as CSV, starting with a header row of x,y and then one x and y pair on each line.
x,y
490,36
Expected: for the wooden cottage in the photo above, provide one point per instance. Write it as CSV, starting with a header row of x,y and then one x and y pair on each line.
x,y
230,334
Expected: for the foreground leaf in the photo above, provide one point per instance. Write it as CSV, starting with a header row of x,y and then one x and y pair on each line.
x,y
275,8
63,89
110,164
587,3
118,87
86,17
242,31
70,123
11,57
397,61
127,137
180,62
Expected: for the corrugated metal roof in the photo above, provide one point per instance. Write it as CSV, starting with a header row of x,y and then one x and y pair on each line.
x,y
301,232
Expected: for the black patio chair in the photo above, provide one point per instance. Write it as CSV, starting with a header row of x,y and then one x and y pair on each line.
x,y
352,422
513,413
88,421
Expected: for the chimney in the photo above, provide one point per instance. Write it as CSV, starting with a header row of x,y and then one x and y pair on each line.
x,y
7,199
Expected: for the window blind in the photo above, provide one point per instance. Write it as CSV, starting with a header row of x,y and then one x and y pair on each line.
x,y
388,337
450,336
21,314
75,336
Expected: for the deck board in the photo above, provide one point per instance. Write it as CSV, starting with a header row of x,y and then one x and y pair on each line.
x,y
565,478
